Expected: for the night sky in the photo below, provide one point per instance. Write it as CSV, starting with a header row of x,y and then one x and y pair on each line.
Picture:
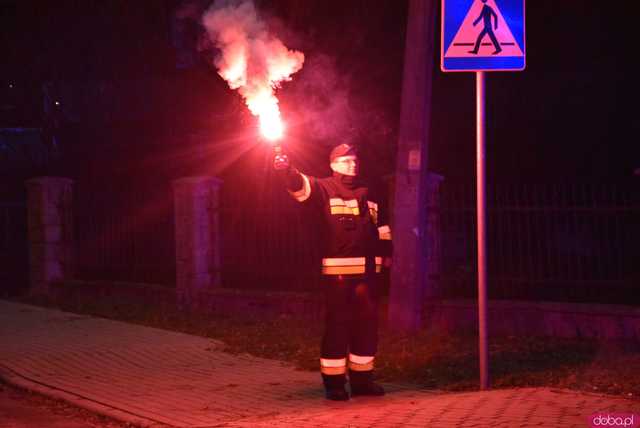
x,y
136,88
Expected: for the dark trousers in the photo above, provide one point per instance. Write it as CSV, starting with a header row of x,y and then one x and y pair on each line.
x,y
351,324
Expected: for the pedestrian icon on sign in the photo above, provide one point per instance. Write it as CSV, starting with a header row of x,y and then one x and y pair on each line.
x,y
485,15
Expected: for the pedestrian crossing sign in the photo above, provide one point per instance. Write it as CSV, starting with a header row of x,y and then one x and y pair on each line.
x,y
482,35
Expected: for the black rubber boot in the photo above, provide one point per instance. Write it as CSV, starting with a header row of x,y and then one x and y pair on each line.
x,y
362,384
334,387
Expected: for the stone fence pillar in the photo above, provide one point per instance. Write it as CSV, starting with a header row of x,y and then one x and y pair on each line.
x,y
197,226
50,231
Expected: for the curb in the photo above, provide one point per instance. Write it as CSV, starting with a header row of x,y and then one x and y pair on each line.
x,y
15,379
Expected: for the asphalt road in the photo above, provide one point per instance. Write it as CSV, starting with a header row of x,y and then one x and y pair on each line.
x,y
24,409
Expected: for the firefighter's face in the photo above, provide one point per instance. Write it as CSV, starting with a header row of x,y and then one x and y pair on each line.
x,y
346,165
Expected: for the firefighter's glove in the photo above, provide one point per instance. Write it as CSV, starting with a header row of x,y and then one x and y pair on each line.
x,y
281,162
287,173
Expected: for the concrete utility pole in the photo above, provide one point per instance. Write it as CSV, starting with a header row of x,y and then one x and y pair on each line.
x,y
408,273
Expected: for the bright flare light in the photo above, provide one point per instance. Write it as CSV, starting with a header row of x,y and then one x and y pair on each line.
x,y
271,125
264,104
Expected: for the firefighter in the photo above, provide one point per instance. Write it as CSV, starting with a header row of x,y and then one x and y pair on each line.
x,y
356,233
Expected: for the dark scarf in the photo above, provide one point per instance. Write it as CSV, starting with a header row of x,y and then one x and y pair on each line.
x,y
348,181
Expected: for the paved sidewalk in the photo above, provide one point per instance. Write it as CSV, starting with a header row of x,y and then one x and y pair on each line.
x,y
154,377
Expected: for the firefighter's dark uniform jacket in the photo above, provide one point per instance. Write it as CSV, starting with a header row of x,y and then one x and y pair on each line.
x,y
356,239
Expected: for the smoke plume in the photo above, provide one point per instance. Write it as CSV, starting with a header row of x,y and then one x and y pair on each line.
x,y
251,60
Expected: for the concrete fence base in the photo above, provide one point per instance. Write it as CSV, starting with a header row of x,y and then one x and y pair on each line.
x,y
220,301
519,318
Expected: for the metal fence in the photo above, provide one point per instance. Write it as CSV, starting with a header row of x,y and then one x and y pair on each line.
x,y
270,242
14,256
570,243
124,232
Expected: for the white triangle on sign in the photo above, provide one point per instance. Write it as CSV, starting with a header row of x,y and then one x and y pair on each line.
x,y
467,36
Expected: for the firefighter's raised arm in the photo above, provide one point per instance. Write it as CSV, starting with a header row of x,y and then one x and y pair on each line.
x,y
297,184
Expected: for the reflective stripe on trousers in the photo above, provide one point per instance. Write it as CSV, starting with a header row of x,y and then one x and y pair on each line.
x,y
347,265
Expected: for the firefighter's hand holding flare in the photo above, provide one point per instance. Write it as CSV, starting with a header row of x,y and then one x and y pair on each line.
x,y
281,161
288,174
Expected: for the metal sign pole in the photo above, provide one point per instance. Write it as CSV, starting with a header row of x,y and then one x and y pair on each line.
x,y
482,230
506,52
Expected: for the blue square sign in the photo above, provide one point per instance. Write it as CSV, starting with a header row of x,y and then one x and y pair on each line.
x,y
482,35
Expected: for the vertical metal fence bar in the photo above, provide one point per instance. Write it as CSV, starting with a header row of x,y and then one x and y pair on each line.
x,y
5,241
449,239
517,232
100,240
633,240
575,238
618,232
300,243
461,220
598,232
610,268
528,198
623,213
584,241
568,239
563,273
499,238
543,214
456,230
510,260
472,243
536,209
513,238
550,220
274,246
444,224
467,260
